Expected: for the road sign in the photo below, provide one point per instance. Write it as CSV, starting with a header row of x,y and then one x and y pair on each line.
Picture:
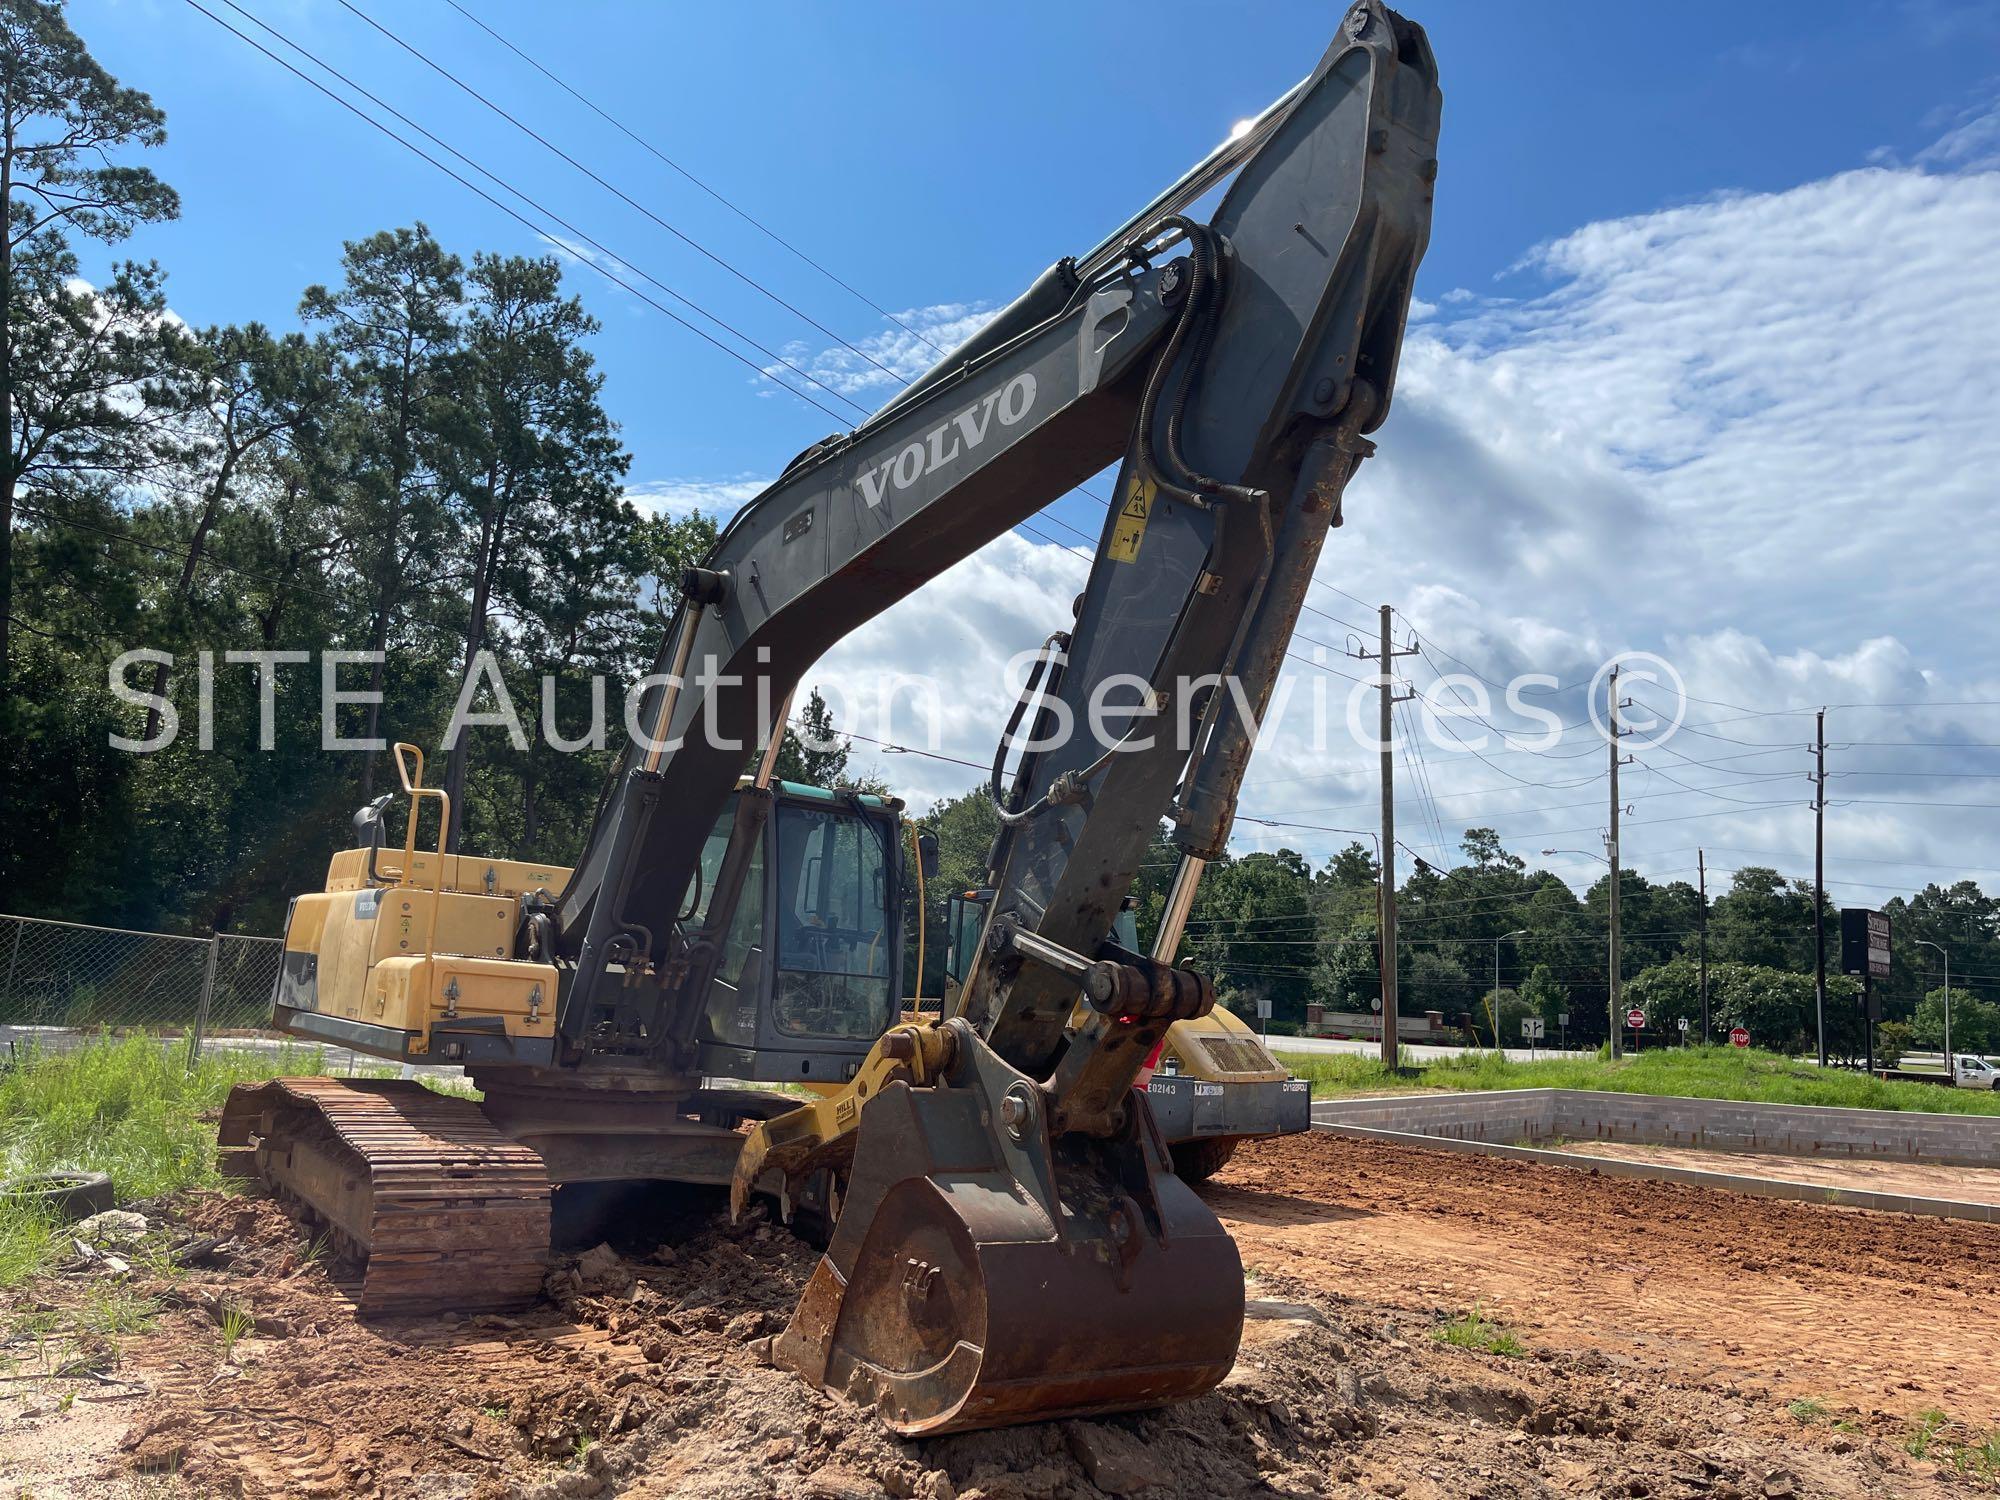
x,y
1864,942
1263,1009
1683,1023
1739,1037
1563,1019
1636,1019
1533,1028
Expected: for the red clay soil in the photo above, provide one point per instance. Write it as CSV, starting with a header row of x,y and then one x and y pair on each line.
x,y
644,1376
1887,1313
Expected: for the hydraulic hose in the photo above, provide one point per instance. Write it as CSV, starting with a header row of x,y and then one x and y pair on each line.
x,y
1194,333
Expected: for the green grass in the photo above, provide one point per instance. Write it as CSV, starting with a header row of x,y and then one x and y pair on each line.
x,y
113,1310
128,1106
1478,1333
236,1324
1936,1437
1693,1072
1924,1430
1807,1411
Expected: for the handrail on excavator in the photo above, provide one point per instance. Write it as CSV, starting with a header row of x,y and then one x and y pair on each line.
x,y
413,785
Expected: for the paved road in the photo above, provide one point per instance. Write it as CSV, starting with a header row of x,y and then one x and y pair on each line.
x,y
340,1060
1416,1051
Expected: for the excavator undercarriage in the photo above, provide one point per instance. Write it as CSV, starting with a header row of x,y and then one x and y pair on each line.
x,y
440,1208
1008,1238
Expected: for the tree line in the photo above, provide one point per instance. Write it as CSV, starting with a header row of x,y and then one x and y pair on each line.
x,y
1270,925
420,471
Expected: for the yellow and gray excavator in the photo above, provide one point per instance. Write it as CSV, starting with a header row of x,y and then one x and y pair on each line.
x,y
1009,1240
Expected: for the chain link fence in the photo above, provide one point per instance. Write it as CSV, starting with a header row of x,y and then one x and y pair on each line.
x,y
63,981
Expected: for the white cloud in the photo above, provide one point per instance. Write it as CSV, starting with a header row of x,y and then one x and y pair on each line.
x,y
957,631
1973,141
720,498
1755,434
575,253
882,363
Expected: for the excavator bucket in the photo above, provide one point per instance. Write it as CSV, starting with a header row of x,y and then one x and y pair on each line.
x,y
982,1274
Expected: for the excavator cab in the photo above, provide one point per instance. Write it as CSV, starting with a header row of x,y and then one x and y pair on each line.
x,y
811,964
965,920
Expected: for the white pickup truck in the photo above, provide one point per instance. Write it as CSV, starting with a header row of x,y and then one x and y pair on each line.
x,y
1968,1072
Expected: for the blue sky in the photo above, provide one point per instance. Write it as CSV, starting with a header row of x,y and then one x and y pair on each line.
x,y
936,154
1702,364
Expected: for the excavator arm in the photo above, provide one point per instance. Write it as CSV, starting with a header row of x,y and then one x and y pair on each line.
x,y
1012,1244
1232,368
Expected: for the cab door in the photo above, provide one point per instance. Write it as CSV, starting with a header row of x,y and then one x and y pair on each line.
x,y
965,923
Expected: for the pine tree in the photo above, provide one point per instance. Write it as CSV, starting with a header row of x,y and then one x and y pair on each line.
x,y
62,117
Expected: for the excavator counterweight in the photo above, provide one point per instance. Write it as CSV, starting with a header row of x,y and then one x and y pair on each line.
x,y
1009,1239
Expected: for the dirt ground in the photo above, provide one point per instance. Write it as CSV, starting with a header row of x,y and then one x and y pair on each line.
x,y
1882,1312
1917,1179
1662,1332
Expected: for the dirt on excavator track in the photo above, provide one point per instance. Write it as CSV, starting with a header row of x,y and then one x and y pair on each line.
x,y
1672,1342
444,1210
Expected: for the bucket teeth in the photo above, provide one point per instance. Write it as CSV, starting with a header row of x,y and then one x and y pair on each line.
x,y
448,1213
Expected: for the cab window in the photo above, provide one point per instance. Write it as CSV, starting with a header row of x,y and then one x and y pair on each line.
x,y
746,924
968,916
834,927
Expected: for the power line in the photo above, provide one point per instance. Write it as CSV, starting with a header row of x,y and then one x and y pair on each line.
x,y
518,216
896,749
619,193
668,161
587,239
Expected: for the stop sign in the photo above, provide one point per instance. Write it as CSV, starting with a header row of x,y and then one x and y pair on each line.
x,y
1739,1037
1636,1019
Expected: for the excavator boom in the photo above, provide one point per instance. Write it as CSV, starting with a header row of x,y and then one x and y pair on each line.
x,y
1014,1244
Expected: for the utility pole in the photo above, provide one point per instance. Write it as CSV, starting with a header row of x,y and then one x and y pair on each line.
x,y
1612,855
1391,1028
1819,882
1950,1065
1701,868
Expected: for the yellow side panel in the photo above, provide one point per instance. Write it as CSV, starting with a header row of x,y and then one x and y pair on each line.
x,y
477,926
307,927
348,871
344,939
409,993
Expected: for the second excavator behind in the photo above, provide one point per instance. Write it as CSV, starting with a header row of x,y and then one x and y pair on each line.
x,y
1008,1239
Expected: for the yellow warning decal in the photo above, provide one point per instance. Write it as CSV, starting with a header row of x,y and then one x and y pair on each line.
x,y
1130,529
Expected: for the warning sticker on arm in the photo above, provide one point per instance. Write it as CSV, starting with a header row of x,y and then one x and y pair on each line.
x,y
1130,528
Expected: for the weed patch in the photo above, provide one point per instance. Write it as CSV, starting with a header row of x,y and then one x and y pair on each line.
x,y
129,1106
1474,1331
